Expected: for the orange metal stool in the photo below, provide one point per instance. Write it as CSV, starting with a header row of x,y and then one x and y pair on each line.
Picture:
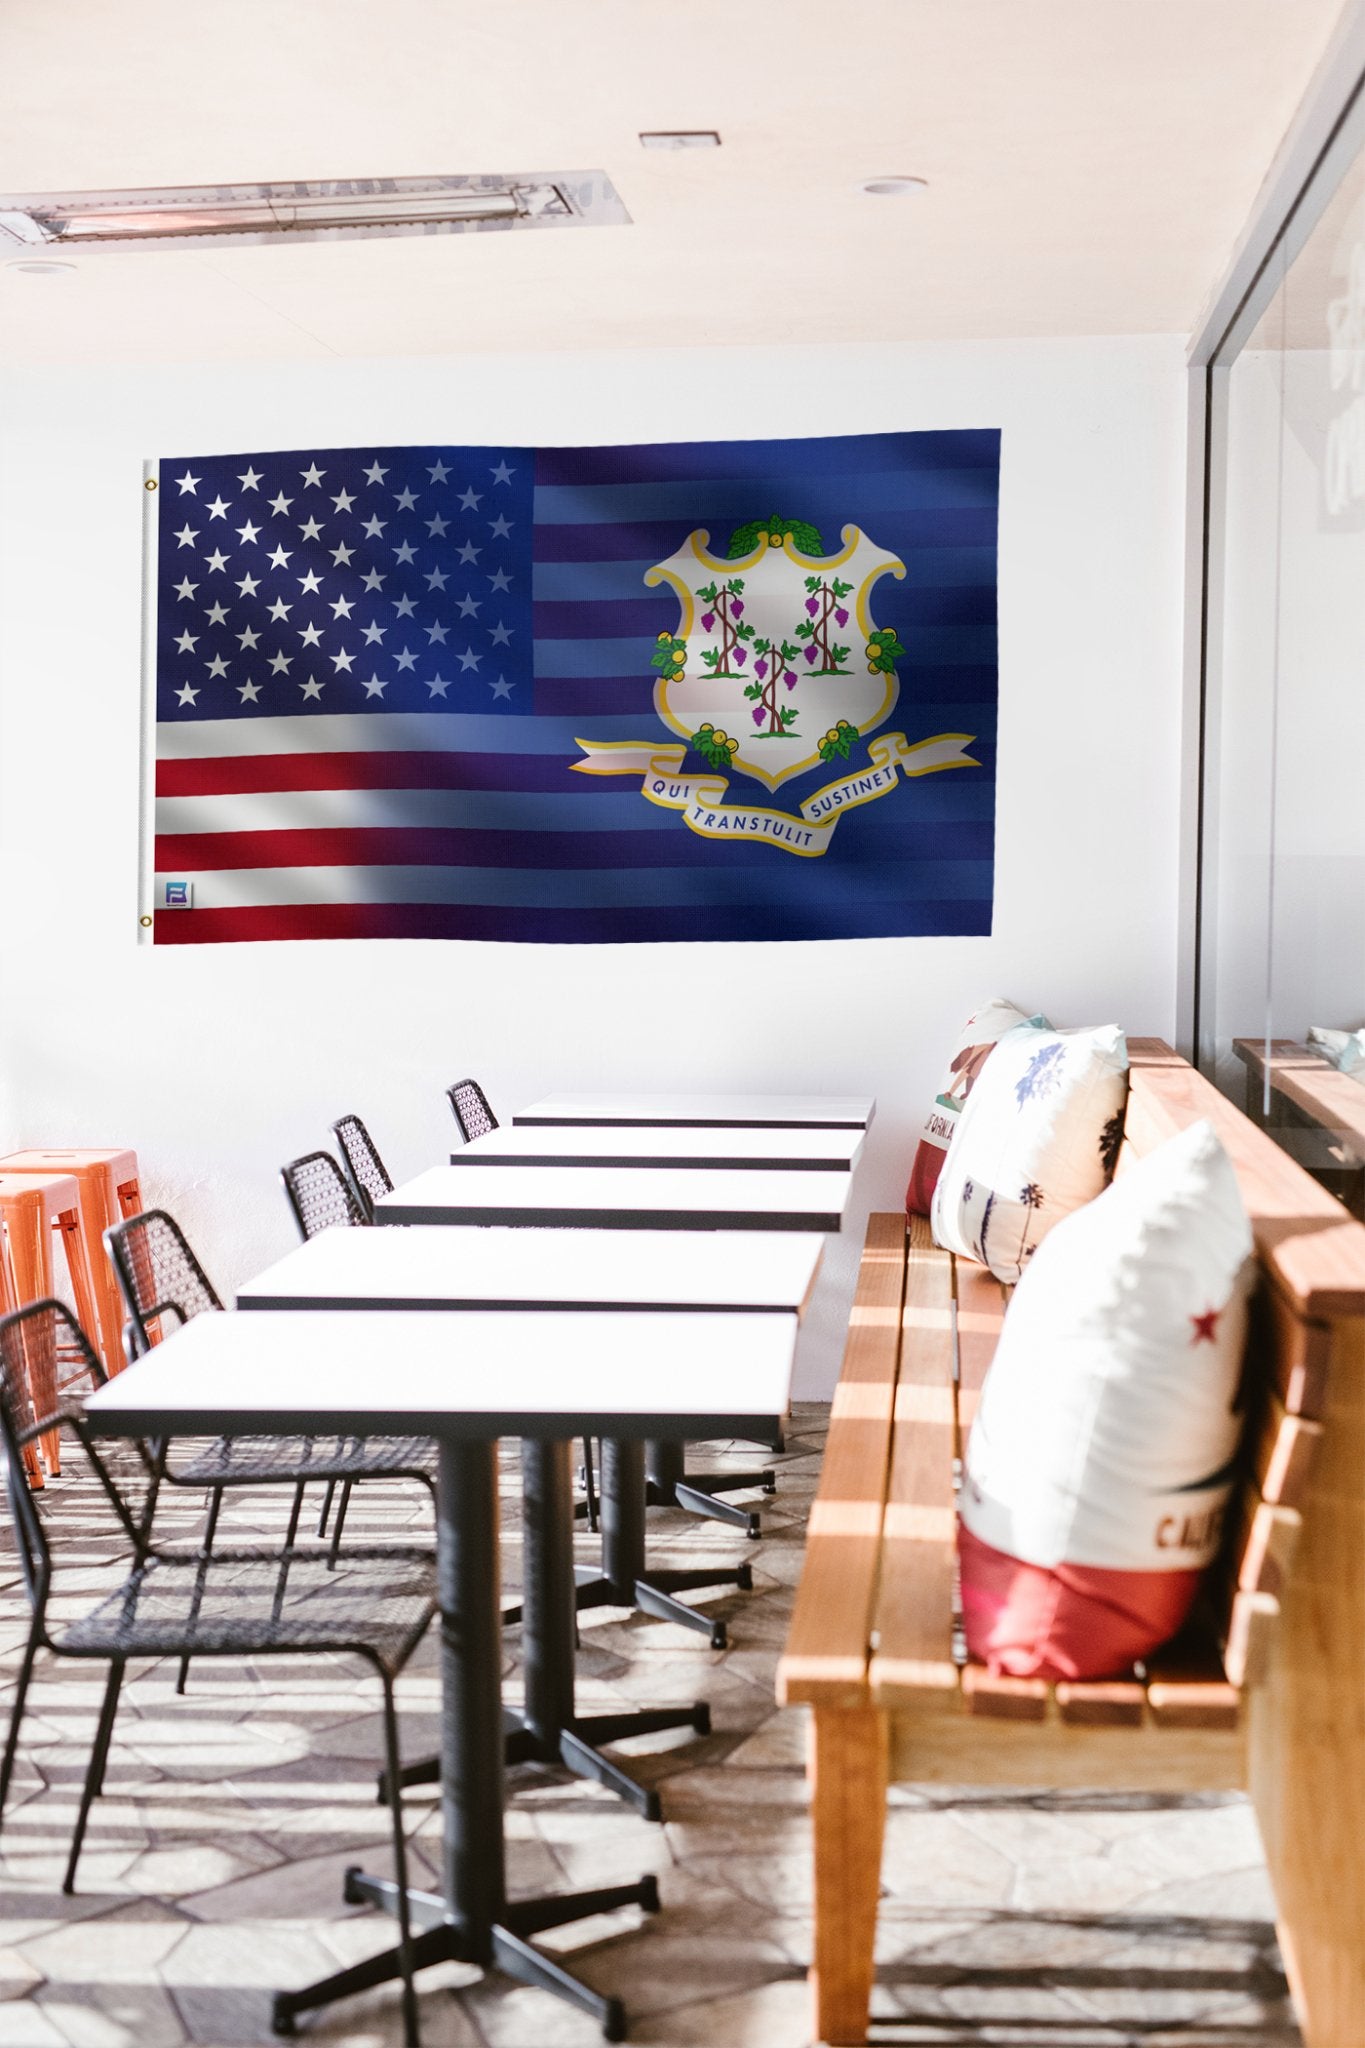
x,y
32,1206
107,1180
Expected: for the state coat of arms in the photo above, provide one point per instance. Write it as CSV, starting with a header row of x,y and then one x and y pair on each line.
x,y
777,666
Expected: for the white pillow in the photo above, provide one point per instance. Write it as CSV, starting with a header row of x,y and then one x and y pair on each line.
x,y
1107,1428
1345,1049
1038,1135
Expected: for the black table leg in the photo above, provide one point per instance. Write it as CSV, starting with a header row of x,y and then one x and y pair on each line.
x,y
472,1920
625,1580
550,1729
669,1484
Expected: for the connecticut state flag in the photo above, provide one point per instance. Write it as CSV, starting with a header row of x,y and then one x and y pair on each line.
x,y
711,690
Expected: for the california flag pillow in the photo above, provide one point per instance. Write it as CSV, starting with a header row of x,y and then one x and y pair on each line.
x,y
1101,1459
1038,1135
974,1046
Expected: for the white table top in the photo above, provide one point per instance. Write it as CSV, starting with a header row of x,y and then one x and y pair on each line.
x,y
539,1373
796,1112
619,1198
833,1149
441,1267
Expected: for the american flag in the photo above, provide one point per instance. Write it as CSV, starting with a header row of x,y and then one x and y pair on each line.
x,y
374,670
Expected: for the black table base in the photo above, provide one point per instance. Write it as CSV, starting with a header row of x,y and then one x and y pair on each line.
x,y
549,1729
669,1484
437,1939
471,1919
625,1579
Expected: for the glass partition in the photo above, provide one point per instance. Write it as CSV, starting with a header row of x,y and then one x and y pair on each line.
x,y
1283,952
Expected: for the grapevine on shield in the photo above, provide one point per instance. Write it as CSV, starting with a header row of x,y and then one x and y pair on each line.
x,y
725,602
771,672
824,604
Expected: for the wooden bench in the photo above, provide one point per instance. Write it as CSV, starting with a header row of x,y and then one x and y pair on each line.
x,y
1266,1690
1316,1111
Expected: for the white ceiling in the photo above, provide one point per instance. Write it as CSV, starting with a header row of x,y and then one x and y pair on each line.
x,y
1090,164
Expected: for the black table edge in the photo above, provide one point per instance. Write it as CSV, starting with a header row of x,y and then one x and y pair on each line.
x,y
500,1216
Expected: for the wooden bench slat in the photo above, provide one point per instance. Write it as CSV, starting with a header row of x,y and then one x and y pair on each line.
x,y
989,1694
826,1655
1187,1686
1282,1451
914,1614
1251,1632
1101,1703
1289,1350
1264,1540
981,1304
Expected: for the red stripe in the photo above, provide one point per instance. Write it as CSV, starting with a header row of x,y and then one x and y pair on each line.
x,y
303,921
235,774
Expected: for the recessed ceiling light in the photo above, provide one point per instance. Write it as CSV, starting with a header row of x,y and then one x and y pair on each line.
x,y
39,269
679,138
344,209
894,188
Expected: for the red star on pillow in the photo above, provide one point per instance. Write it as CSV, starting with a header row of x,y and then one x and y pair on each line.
x,y
1205,1326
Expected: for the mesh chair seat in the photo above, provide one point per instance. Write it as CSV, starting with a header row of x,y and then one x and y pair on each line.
x,y
251,1601
266,1460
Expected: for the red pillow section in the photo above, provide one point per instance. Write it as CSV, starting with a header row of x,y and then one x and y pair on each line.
x,y
1065,1620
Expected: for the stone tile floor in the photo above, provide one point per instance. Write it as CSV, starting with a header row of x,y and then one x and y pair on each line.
x,y
213,1866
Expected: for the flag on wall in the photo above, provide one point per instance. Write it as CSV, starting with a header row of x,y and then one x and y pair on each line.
x,y
713,690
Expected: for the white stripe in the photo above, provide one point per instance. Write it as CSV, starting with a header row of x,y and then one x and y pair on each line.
x,y
417,732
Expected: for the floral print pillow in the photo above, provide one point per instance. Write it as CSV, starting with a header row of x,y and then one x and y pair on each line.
x,y
1038,1136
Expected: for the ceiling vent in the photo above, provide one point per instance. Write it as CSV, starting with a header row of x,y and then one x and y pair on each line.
x,y
340,209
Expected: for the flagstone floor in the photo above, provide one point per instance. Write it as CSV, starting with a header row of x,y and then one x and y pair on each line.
x,y
212,1871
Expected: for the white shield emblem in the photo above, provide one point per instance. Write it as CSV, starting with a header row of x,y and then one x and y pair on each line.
x,y
777,664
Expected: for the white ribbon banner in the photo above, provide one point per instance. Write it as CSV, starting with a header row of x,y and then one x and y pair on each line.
x,y
701,798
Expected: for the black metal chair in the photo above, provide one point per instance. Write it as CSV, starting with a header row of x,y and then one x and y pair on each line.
x,y
320,1194
161,1279
321,1198
228,1603
369,1176
469,1107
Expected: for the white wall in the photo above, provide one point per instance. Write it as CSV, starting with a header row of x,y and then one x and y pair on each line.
x,y
218,1063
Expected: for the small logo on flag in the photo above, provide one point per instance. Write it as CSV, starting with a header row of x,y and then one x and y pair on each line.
x,y
177,896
